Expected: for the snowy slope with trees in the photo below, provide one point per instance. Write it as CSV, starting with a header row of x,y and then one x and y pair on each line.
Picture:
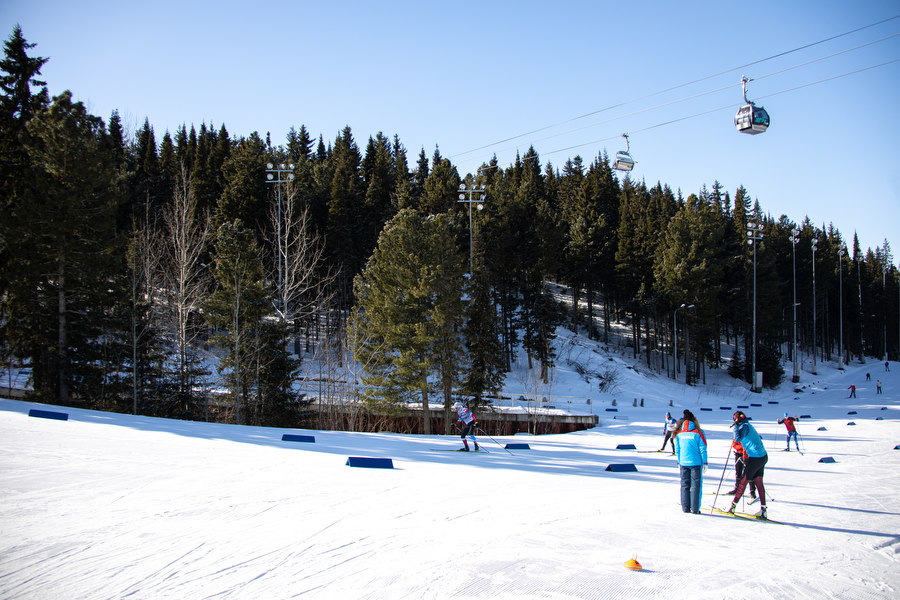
x,y
115,506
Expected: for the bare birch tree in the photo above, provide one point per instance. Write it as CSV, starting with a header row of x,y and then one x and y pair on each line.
x,y
143,263
298,259
303,289
183,276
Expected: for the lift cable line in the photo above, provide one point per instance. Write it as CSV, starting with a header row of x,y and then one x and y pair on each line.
x,y
750,64
700,114
722,108
707,112
780,54
709,92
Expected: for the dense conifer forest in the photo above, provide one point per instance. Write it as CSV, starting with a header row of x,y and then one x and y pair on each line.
x,y
128,259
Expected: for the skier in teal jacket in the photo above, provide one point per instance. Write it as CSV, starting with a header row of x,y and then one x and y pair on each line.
x,y
690,450
746,435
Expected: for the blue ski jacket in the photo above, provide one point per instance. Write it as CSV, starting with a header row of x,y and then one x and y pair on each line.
x,y
690,446
746,435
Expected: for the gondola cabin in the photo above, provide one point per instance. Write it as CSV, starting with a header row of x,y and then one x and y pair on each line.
x,y
751,119
623,162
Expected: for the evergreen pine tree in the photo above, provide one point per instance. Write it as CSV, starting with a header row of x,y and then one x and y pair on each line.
x,y
410,312
18,105
60,293
440,187
736,367
378,171
343,237
237,307
688,269
402,196
485,366
244,194
602,190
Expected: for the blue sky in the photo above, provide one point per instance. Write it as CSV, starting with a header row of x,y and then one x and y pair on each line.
x,y
465,76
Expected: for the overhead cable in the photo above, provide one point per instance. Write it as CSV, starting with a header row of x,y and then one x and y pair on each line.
x,y
750,64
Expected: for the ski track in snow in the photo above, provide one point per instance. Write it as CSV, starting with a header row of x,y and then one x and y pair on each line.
x,y
112,506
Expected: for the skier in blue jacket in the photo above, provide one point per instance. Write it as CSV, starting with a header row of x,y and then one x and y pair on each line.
x,y
690,449
755,450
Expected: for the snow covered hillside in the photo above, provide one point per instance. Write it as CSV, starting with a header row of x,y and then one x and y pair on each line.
x,y
115,506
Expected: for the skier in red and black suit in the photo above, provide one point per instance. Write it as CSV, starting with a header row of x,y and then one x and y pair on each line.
x,y
791,431
740,462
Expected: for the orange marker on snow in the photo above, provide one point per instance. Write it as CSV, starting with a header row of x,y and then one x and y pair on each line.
x,y
633,564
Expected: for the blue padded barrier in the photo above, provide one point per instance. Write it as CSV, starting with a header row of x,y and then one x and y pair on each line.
x,y
621,467
370,463
48,414
291,437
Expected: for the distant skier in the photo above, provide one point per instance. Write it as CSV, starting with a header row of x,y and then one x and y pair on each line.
x,y
690,447
852,389
669,431
469,422
746,435
878,386
791,431
887,366
740,463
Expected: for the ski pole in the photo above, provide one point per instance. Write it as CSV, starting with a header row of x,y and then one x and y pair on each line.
x,y
721,479
495,441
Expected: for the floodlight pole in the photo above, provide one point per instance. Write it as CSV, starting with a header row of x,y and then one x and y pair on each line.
x,y
795,237
471,196
279,174
754,235
675,332
862,353
687,344
815,350
884,270
841,249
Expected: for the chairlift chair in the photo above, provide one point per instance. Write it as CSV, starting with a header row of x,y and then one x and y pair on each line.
x,y
750,118
623,161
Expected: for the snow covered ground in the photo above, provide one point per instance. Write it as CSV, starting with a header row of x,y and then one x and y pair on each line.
x,y
115,506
